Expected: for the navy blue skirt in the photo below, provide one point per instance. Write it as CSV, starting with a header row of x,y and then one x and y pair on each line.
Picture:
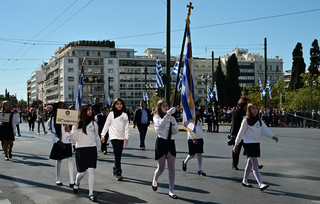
x,y
162,147
195,148
251,149
58,153
86,157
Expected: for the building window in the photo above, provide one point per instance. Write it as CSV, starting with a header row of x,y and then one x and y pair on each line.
x,y
70,69
110,61
99,54
260,67
87,53
70,61
70,78
70,87
110,70
277,68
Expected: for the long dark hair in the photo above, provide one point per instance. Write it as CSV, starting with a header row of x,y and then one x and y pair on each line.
x,y
57,127
250,118
3,103
158,108
198,116
243,101
84,118
113,105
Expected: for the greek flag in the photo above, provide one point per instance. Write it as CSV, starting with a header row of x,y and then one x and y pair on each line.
x,y
269,87
146,98
215,90
208,93
180,82
187,92
109,101
176,68
159,74
261,89
80,89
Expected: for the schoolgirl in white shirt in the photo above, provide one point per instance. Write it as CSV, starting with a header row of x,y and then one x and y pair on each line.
x,y
195,145
62,145
165,147
86,136
117,124
252,127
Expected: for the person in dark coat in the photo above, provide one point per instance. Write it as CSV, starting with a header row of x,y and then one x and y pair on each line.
x,y
101,118
142,118
209,115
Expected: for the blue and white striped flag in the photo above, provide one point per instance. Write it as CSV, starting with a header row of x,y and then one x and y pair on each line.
x,y
80,90
269,87
180,82
208,93
176,68
147,98
109,101
261,89
159,74
215,90
187,92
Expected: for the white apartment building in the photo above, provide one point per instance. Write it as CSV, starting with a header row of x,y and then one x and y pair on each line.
x,y
36,78
117,72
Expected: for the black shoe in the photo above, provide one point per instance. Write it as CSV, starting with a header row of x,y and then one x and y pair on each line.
x,y
118,177
201,173
260,166
154,188
19,135
184,166
104,152
235,168
71,185
247,185
264,186
59,183
173,196
75,187
93,198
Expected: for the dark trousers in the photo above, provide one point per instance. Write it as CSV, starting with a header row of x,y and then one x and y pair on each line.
x,y
215,126
117,151
209,125
235,156
143,131
31,124
104,145
18,129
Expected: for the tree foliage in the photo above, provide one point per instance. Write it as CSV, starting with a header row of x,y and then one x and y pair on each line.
x,y
314,58
232,82
220,80
298,67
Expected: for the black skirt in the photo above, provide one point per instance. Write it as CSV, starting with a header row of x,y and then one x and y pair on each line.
x,y
195,148
86,157
58,153
162,147
251,149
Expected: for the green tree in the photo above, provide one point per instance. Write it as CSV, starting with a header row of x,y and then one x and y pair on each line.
x,y
314,58
232,82
220,80
298,67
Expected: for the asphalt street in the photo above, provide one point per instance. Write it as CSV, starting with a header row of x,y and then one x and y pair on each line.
x,y
291,168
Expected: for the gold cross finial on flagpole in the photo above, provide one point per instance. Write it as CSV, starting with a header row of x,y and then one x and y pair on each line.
x,y
189,11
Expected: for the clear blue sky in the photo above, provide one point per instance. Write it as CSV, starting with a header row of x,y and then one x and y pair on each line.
x,y
32,30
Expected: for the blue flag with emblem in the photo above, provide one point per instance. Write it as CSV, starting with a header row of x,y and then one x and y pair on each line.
x,y
187,91
80,89
159,74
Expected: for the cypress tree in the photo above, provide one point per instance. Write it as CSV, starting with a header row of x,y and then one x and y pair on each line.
x,y
314,58
232,81
220,80
298,67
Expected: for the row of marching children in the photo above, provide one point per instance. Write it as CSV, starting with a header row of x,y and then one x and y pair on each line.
x,y
85,137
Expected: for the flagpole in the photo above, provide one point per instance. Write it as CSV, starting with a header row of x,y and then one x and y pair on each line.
x,y
181,54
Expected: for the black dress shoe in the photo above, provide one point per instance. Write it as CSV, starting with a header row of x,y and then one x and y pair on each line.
x,y
247,185
264,186
93,198
59,183
71,185
260,166
201,173
184,166
75,187
154,188
173,196
235,168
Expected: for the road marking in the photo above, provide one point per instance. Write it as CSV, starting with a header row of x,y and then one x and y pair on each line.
x,y
5,201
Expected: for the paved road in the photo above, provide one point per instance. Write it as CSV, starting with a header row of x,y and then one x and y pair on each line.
x,y
291,167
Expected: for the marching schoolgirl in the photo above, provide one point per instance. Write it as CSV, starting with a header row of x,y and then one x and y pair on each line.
x,y
7,131
117,124
252,127
195,145
166,127
86,136
62,145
